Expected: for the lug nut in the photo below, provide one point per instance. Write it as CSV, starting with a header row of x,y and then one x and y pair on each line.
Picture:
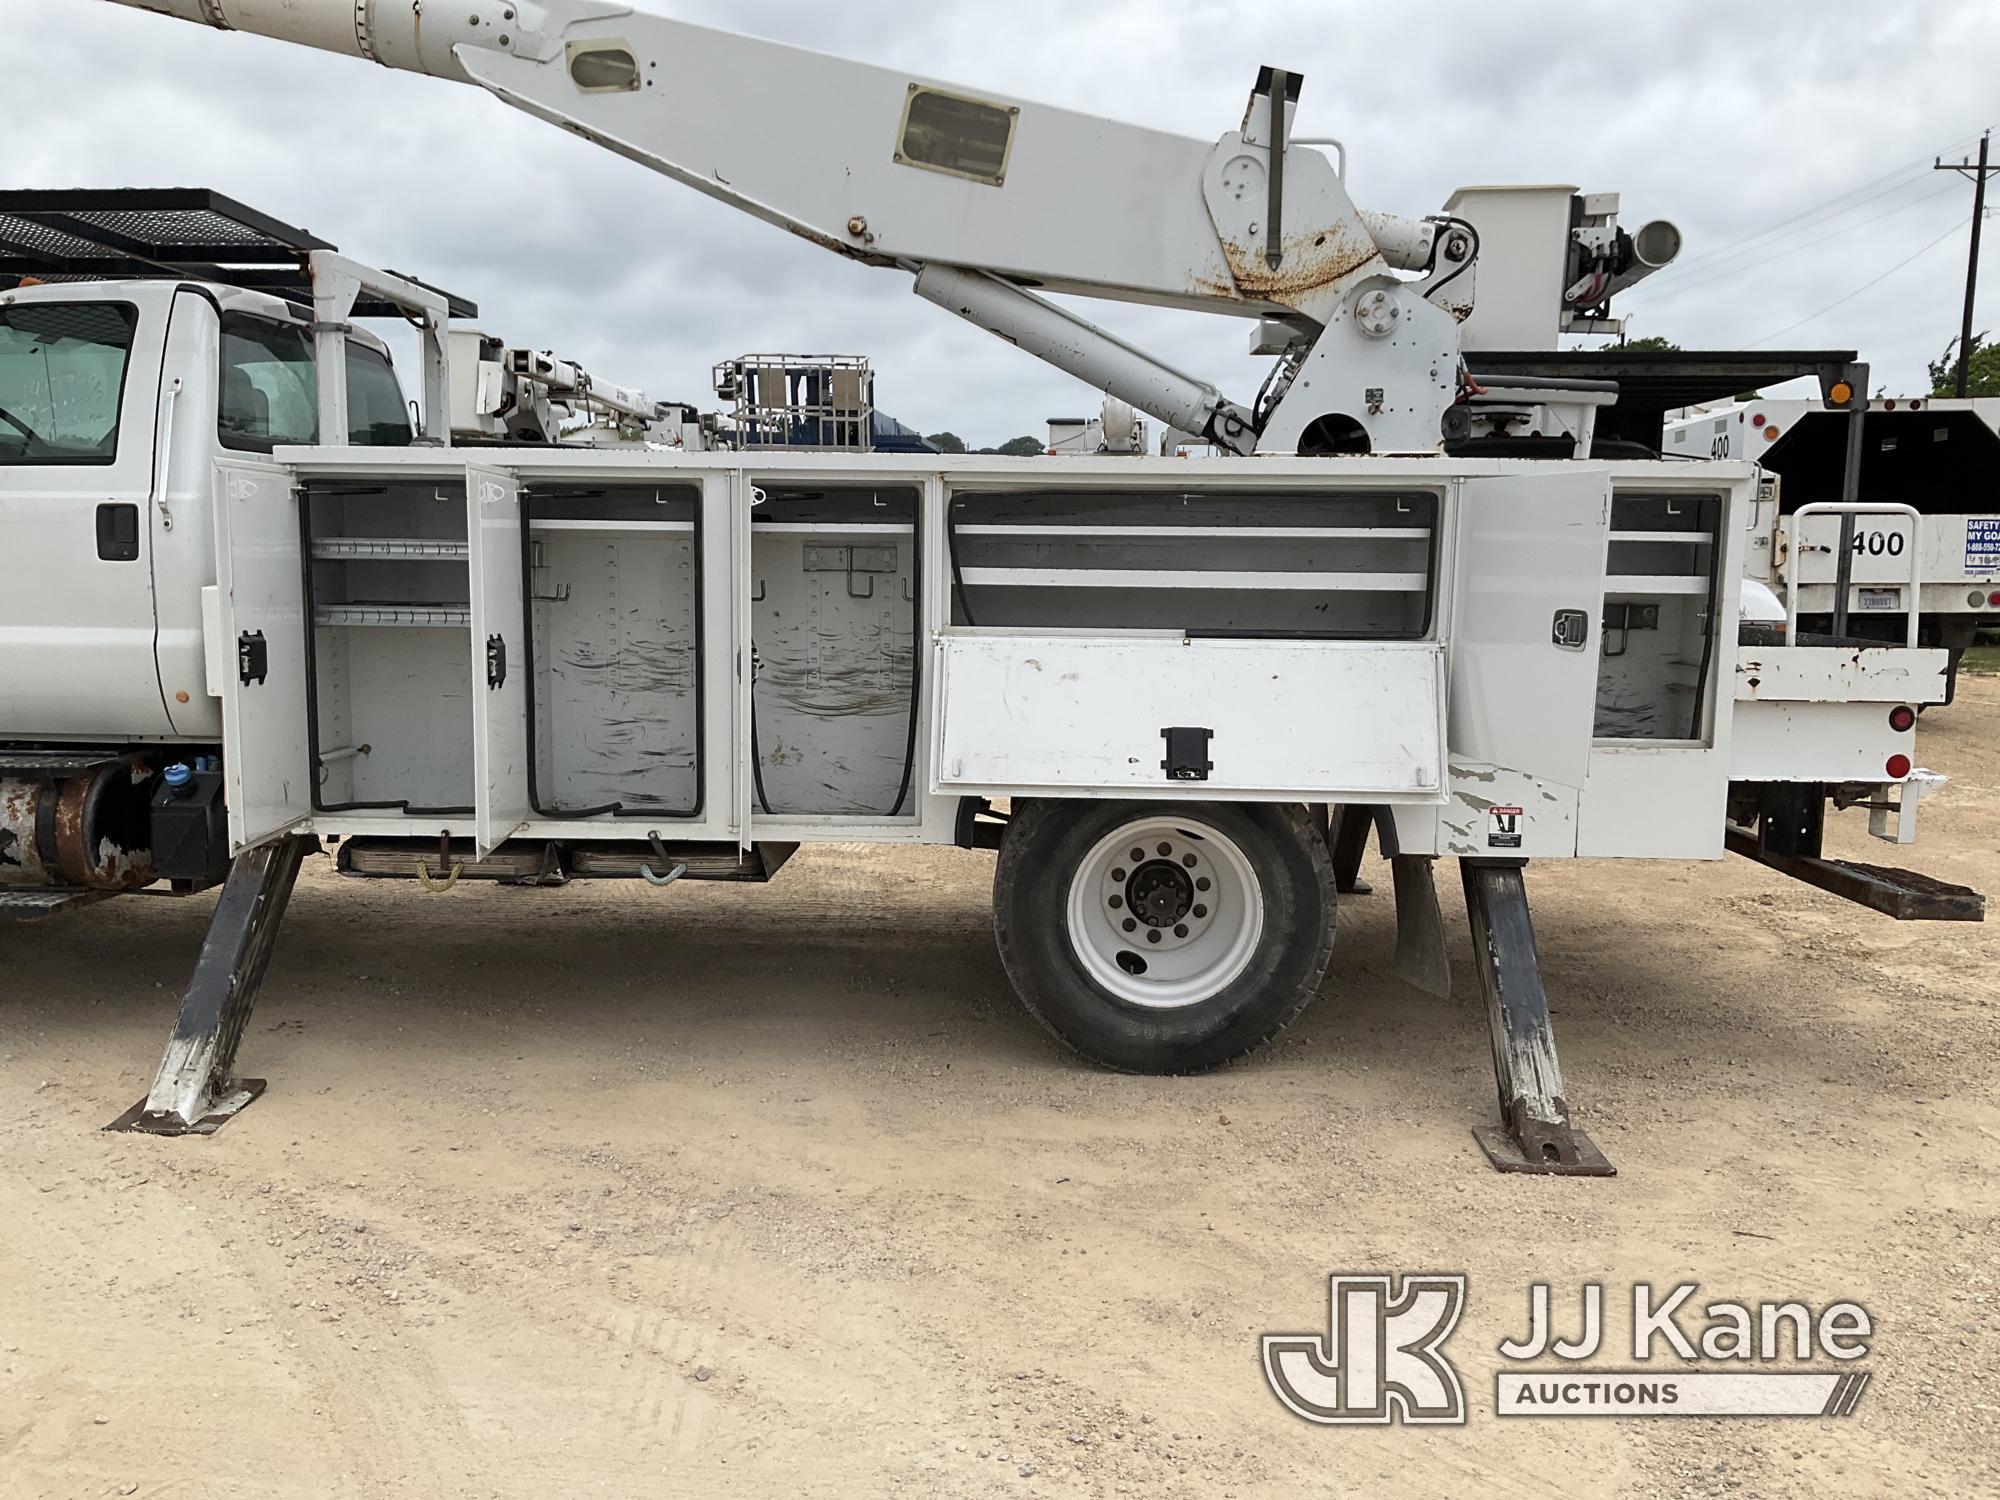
x,y
1180,932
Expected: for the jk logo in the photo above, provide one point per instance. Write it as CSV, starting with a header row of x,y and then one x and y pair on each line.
x,y
1380,1360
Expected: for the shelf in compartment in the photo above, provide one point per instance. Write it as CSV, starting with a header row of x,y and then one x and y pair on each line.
x,y
421,616
388,549
1183,578
831,528
648,528
1618,584
1203,533
1685,538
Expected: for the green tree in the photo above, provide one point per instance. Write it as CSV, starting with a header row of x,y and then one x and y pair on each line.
x,y
1022,447
1982,377
1652,344
946,442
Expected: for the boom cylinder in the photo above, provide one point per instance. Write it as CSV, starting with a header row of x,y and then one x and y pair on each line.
x,y
1093,355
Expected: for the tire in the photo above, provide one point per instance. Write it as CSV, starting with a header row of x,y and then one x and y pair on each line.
x,y
1194,983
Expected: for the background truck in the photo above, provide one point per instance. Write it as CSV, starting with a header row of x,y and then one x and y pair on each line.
x,y
1196,690
1939,457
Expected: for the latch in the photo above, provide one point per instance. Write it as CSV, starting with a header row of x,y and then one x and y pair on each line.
x,y
253,658
1571,629
496,662
1187,754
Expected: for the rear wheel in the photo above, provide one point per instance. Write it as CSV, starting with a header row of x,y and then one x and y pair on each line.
x,y
1164,937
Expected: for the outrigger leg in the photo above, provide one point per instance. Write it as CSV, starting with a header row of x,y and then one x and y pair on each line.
x,y
196,1091
1535,1134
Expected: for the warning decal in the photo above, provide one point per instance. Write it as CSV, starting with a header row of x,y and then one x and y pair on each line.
x,y
1503,828
1982,544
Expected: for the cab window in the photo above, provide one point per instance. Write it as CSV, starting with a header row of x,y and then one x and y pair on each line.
x,y
62,378
269,395
376,415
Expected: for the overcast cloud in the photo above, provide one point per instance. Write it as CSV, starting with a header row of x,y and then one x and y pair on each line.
x,y
1727,118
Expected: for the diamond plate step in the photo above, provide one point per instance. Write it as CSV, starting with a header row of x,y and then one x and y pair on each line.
x,y
33,905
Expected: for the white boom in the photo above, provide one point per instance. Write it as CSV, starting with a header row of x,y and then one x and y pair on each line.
x,y
981,196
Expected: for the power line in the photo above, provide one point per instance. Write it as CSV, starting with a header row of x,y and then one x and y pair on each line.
x,y
1724,274
1831,208
1877,281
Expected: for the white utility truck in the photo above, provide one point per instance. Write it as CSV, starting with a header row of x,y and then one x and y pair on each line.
x,y
1196,689
1929,469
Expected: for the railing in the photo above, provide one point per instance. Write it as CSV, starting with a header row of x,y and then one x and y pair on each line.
x,y
1843,573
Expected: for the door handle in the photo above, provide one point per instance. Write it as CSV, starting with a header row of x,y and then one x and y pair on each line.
x,y
117,532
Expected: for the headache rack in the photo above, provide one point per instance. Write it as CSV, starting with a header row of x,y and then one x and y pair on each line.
x,y
91,234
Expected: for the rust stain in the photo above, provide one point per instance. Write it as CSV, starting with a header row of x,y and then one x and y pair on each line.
x,y
1312,261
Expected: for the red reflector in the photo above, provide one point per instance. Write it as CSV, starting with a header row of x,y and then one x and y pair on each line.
x,y
1994,600
1902,718
1757,419
1898,767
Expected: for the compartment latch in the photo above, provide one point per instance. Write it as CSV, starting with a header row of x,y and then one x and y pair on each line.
x,y
1187,754
253,658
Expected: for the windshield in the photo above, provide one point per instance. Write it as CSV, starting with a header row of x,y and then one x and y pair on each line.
x,y
269,395
62,376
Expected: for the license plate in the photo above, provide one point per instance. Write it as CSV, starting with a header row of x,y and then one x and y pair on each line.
x,y
1881,598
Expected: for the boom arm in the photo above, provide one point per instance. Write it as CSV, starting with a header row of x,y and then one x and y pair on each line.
x,y
979,195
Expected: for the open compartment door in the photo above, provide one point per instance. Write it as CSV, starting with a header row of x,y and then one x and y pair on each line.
x,y
266,770
499,665
1526,622
743,496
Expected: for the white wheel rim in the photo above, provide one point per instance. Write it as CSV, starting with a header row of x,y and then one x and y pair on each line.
x,y
1165,930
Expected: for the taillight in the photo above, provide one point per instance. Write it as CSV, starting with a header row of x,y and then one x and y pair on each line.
x,y
1902,718
1898,767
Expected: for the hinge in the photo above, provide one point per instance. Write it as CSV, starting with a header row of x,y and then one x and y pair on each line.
x,y
496,662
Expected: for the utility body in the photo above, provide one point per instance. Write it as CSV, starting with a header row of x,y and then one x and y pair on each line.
x,y
1179,699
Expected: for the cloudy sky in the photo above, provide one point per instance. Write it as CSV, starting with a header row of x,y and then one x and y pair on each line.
x,y
1791,140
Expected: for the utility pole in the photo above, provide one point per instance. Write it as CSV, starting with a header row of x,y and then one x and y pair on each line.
x,y
1978,174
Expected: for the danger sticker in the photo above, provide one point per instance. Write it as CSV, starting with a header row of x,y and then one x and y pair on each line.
x,y
1503,828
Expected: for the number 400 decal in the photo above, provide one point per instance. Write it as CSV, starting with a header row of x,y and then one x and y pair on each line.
x,y
1879,543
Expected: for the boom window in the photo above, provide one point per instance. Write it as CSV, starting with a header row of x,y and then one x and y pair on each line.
x,y
62,379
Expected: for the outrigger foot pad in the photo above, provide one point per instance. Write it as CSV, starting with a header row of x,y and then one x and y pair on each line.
x,y
1544,1151
236,1095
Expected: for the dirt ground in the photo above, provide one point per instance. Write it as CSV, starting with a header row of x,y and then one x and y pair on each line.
x,y
757,1192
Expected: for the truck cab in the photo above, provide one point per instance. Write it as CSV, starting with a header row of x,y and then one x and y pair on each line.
x,y
116,399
